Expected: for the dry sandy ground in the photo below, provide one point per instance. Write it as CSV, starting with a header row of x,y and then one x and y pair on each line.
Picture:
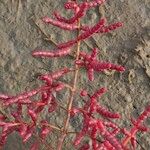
x,y
128,93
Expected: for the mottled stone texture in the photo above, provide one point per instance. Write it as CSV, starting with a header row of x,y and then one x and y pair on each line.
x,y
128,93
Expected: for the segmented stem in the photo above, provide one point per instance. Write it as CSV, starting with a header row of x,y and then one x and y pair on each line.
x,y
70,101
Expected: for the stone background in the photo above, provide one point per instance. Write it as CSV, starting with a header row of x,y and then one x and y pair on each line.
x,y
128,93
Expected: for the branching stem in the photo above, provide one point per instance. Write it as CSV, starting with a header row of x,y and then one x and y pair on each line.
x,y
127,139
70,101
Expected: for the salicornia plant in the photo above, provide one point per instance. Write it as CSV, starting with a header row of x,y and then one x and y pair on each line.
x,y
98,122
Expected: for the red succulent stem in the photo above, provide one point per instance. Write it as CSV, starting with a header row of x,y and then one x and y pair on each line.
x,y
127,139
92,126
138,123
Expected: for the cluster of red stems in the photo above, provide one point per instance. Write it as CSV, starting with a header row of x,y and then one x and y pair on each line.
x,y
102,132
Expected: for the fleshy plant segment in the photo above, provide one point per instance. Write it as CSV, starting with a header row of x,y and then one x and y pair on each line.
x,y
102,131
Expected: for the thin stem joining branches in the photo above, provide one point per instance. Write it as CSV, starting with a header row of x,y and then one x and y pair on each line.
x,y
70,101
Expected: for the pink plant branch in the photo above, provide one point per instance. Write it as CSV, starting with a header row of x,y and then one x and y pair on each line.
x,y
59,24
96,125
84,35
95,3
111,27
132,133
55,75
4,97
81,12
71,5
24,95
51,54
97,122
91,63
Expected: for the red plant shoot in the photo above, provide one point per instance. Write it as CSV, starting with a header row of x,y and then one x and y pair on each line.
x,y
98,121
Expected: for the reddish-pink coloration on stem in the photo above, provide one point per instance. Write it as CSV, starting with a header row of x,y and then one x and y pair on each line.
x,y
59,24
97,120
84,35
94,3
106,113
105,29
117,67
4,97
83,93
33,115
49,78
131,135
96,125
34,146
24,95
58,86
110,28
53,105
85,147
71,5
78,15
91,74
57,74
91,63
50,54
23,129
99,93
45,130
112,140
106,145
140,127
81,12
28,133
2,117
